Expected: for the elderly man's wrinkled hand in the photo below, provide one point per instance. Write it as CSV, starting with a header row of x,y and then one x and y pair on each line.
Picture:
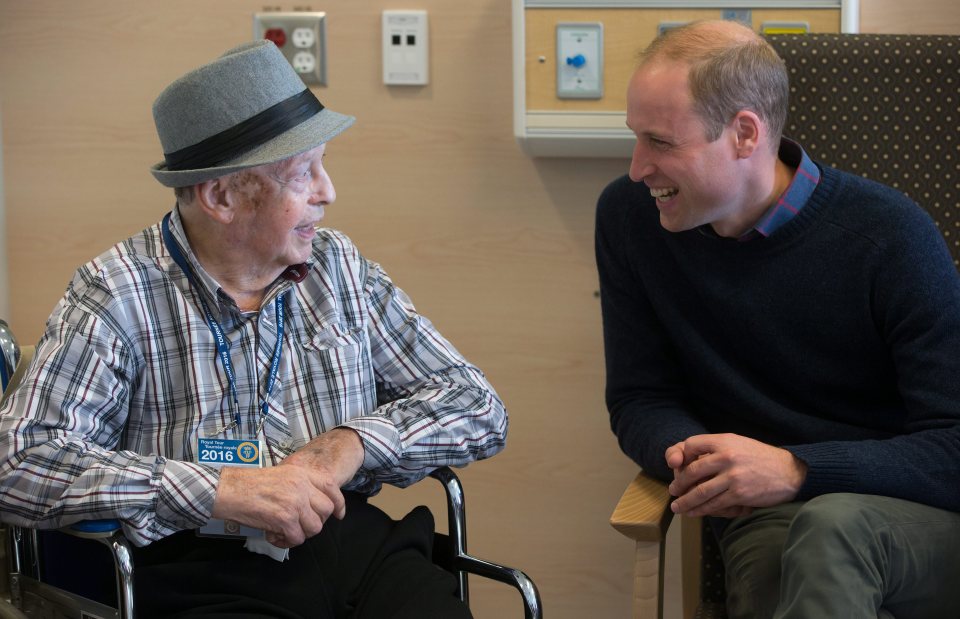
x,y
337,454
290,503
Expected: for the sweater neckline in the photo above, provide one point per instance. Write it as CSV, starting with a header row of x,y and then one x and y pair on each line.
x,y
809,216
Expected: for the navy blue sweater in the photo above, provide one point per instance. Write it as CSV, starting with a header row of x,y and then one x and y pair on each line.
x,y
837,337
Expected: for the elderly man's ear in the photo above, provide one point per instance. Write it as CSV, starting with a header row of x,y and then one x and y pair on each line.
x,y
215,199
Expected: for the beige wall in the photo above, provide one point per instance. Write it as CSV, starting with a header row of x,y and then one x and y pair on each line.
x,y
920,17
494,247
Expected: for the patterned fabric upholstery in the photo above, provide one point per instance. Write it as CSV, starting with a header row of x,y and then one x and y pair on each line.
x,y
710,610
883,106
712,590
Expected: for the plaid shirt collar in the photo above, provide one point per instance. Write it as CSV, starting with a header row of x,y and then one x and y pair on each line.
x,y
791,201
795,197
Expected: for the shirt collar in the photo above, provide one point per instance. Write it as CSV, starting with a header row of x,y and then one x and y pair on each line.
x,y
797,193
791,201
209,285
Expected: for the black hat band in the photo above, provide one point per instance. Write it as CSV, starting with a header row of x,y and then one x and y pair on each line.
x,y
247,135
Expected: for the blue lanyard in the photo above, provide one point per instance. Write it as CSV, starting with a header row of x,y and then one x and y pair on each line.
x,y
223,347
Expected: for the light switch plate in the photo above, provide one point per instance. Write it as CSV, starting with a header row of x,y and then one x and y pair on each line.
x,y
406,48
301,36
580,60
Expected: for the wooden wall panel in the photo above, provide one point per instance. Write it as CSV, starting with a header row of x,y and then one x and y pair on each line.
x,y
898,17
496,248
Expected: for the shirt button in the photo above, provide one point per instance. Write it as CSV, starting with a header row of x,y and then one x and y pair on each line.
x,y
284,443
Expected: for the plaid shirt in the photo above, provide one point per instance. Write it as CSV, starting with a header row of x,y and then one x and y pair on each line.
x,y
795,196
105,423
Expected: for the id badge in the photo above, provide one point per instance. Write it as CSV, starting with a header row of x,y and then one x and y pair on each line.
x,y
220,452
229,452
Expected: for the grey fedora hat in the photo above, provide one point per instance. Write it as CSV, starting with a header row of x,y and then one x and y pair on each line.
x,y
244,109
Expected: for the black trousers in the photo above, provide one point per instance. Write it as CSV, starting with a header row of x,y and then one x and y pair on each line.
x,y
366,566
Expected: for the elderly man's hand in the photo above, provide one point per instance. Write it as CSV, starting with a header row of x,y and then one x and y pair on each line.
x,y
728,475
293,500
337,454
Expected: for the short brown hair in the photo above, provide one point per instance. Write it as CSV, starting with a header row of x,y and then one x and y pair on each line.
x,y
732,68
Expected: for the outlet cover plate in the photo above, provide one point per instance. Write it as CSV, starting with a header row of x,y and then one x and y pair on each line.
x,y
301,36
406,48
579,60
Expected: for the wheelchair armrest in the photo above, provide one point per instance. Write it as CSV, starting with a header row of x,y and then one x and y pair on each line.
x,y
93,529
533,607
464,563
108,533
643,512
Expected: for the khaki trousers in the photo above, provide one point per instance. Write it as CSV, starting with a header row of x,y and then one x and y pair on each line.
x,y
848,556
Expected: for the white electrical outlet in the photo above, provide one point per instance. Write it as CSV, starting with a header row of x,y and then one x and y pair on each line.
x,y
304,62
405,48
301,36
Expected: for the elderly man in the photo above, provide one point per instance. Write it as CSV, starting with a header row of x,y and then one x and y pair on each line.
x,y
232,382
781,343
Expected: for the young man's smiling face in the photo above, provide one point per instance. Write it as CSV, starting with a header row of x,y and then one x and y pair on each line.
x,y
694,181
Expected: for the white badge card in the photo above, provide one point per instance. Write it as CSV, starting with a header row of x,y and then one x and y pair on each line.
x,y
219,452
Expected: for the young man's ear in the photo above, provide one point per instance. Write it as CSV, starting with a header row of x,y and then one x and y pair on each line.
x,y
749,129
213,200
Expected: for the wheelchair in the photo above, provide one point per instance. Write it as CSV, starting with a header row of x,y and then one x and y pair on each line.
x,y
85,571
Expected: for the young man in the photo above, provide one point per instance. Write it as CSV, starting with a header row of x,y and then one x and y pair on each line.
x,y
235,332
781,343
